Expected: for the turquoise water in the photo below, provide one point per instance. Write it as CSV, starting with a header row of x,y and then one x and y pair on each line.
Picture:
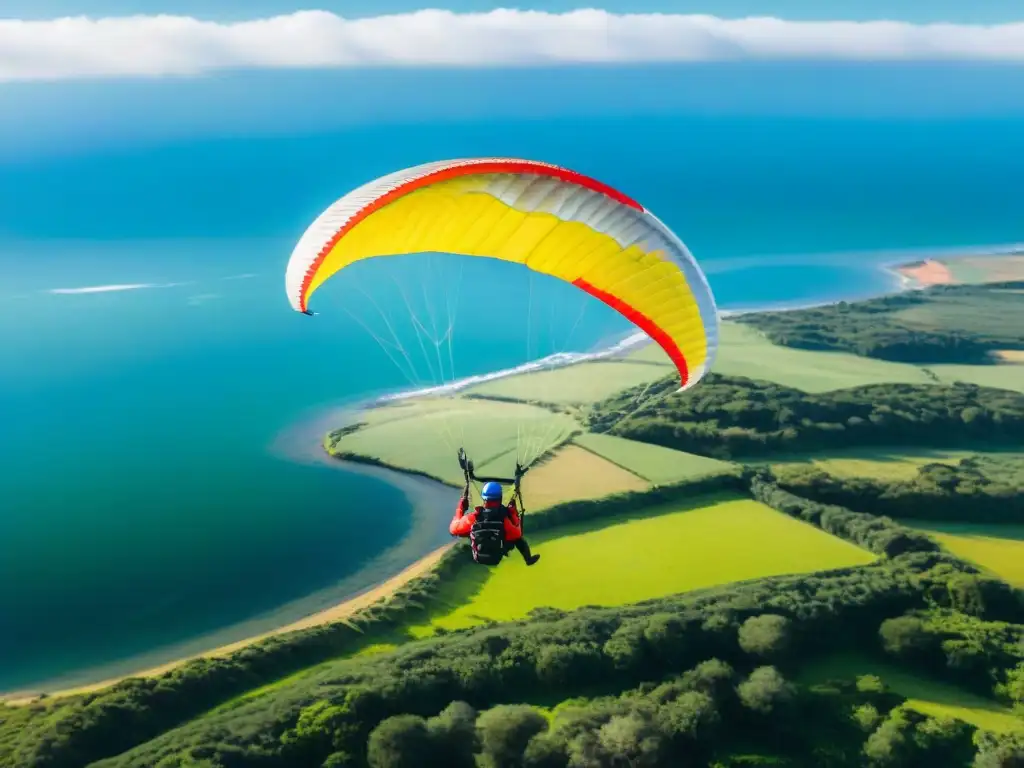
x,y
142,500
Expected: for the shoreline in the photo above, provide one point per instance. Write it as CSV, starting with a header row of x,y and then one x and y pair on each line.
x,y
421,548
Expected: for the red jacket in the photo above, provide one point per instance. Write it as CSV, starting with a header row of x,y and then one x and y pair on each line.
x,y
462,522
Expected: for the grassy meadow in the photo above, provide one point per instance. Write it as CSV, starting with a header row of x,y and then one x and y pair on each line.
x,y
996,548
574,473
648,554
745,351
425,434
655,464
986,269
927,696
890,464
1002,376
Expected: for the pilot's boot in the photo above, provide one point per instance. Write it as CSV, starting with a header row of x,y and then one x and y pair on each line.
x,y
524,550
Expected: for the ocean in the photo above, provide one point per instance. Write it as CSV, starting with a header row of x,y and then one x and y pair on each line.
x,y
145,497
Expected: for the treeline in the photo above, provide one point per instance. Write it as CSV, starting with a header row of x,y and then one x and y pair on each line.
x,y
709,715
944,324
963,492
330,712
734,417
739,643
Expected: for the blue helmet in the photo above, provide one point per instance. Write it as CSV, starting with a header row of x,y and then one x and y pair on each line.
x,y
491,491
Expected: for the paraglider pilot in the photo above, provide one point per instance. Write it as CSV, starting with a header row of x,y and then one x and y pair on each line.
x,y
493,529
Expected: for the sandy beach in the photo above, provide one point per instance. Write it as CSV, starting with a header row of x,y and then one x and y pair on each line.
x,y
922,274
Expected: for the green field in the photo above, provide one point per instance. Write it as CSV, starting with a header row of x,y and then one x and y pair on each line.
x,y
574,473
580,383
926,696
891,464
744,351
998,376
996,548
986,269
424,435
652,462
644,555
997,313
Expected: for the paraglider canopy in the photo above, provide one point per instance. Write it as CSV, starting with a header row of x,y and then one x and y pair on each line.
x,y
550,219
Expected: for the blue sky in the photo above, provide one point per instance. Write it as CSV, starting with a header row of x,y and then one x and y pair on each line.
x,y
963,11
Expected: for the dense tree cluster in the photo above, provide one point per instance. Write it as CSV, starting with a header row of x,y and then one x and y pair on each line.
x,y
733,417
708,715
945,324
972,490
551,654
982,655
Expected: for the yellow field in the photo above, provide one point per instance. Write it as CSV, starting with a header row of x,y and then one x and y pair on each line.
x,y
652,462
744,351
580,383
636,557
574,473
425,434
926,696
996,548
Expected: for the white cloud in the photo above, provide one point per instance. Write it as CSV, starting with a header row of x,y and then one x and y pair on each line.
x,y
180,45
111,288
243,276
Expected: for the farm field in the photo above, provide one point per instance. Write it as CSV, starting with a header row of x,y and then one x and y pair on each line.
x,y
986,269
923,694
890,464
652,462
574,473
643,555
744,351
580,383
425,435
997,548
1002,376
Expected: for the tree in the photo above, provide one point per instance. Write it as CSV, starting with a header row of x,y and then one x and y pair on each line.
x,y
767,635
545,751
505,731
1013,688
866,717
765,690
453,733
904,636
634,739
999,750
402,741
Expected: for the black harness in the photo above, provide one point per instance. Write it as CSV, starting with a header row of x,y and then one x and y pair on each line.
x,y
487,536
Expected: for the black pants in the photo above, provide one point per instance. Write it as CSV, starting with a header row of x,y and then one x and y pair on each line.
x,y
521,545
